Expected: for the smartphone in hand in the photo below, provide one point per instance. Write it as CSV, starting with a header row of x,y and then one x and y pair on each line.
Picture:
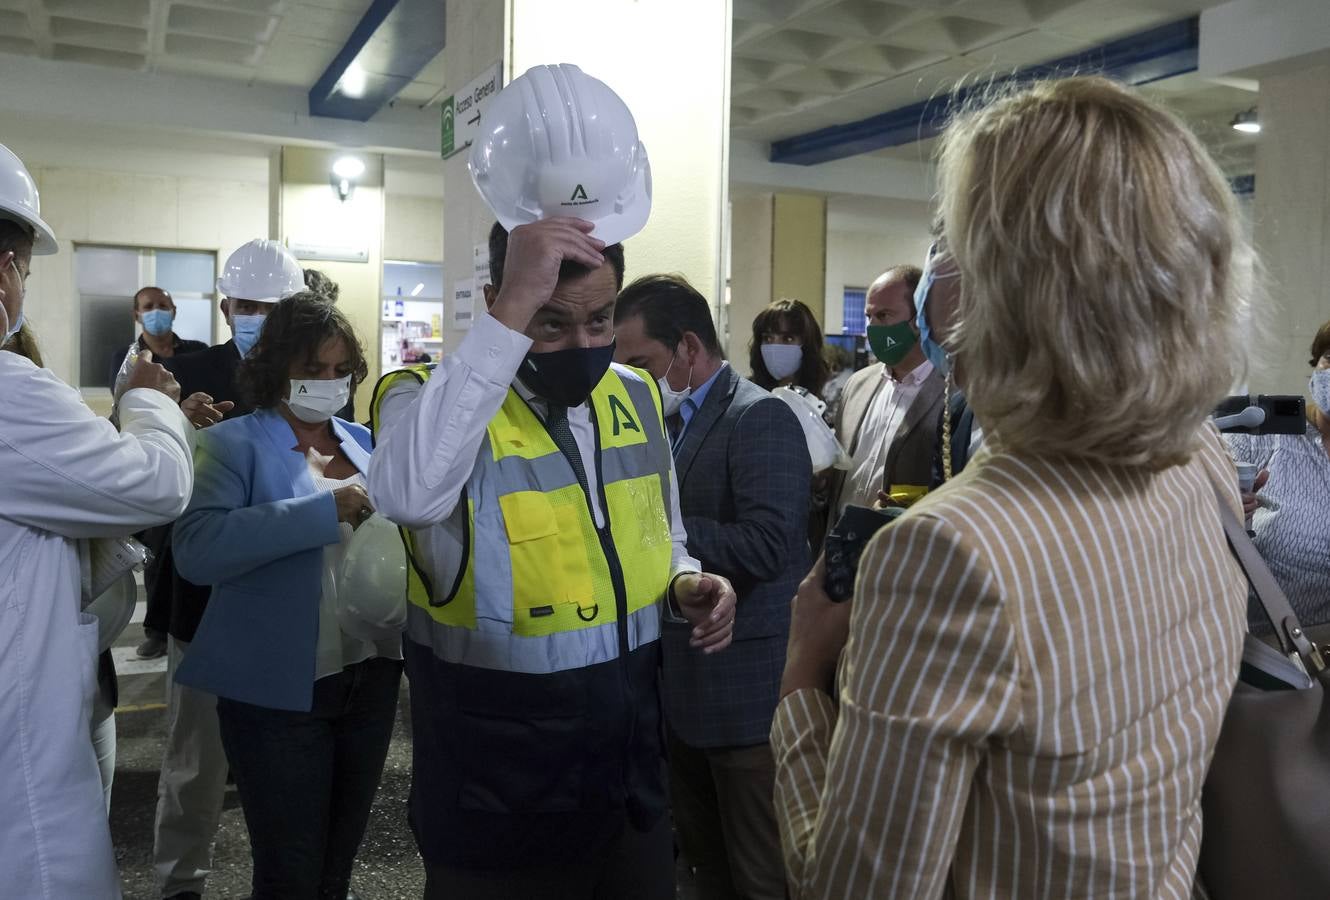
x,y
845,544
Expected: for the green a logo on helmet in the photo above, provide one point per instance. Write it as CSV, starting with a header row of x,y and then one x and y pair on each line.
x,y
579,193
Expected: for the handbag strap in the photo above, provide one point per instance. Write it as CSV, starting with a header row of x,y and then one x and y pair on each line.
x,y
1288,631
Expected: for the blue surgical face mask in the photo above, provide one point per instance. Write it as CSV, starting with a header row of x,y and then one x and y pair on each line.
x,y
247,330
935,352
157,321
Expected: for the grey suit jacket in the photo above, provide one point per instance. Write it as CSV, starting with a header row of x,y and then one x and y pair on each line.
x,y
744,484
910,457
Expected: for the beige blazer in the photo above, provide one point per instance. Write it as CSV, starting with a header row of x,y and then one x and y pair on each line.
x,y
1040,657
909,459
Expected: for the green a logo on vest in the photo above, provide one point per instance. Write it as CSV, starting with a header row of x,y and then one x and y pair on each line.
x,y
623,419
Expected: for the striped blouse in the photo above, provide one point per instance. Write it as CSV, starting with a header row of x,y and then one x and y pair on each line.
x,y
1039,660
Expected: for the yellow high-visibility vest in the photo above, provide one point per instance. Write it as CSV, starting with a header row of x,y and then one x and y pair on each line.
x,y
534,563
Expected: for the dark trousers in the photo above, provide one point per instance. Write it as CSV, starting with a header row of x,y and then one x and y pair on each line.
x,y
724,811
638,866
307,779
157,580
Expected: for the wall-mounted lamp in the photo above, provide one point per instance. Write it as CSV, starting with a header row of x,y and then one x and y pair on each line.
x,y
345,171
1247,122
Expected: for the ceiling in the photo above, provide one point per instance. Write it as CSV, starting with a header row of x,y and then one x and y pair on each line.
x,y
798,65
801,65
279,42
1207,106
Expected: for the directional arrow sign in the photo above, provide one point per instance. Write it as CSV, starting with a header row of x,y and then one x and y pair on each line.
x,y
462,111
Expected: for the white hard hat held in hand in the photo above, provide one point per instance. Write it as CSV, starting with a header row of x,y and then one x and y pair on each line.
x,y
262,271
557,142
19,202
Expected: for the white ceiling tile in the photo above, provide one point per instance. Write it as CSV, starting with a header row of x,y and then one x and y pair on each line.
x,y
205,22
193,47
17,46
83,33
96,57
128,12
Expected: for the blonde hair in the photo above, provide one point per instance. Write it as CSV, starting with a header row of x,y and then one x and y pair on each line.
x,y
1105,278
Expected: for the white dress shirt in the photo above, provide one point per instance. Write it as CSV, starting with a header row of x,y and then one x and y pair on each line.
x,y
881,422
429,437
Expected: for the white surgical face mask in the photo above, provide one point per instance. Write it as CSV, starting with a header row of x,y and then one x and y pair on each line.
x,y
782,360
318,400
670,399
1320,384
17,323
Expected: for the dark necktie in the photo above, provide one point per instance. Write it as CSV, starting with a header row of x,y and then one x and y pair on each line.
x,y
674,425
556,422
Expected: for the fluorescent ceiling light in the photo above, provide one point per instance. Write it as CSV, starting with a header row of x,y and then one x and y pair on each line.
x,y
1247,122
415,291
352,82
349,167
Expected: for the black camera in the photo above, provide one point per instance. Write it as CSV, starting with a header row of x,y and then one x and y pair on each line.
x,y
845,544
1278,414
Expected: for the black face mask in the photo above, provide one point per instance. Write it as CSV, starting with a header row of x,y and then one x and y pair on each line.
x,y
566,377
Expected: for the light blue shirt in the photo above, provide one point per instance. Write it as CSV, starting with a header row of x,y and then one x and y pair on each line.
x,y
689,407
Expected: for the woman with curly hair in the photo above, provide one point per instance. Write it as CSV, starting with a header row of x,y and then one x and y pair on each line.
x,y
306,709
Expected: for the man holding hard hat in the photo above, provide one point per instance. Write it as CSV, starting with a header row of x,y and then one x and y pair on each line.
x,y
535,485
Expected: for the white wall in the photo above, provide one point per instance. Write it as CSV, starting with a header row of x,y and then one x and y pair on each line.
x,y
864,239
413,228
127,210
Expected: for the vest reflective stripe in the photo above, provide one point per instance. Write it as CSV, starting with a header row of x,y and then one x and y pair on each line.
x,y
488,647
550,594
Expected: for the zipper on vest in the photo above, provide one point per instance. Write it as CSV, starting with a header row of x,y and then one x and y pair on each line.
x,y
606,535
621,607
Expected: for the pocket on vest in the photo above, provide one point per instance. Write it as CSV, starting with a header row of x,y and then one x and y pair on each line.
x,y
549,559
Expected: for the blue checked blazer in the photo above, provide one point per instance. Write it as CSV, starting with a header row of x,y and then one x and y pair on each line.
x,y
744,486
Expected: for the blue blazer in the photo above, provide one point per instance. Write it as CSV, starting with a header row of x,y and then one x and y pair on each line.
x,y
255,530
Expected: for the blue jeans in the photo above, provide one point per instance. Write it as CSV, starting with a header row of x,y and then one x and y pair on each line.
x,y
307,779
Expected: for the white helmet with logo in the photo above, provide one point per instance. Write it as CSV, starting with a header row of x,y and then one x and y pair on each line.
x,y
557,142
262,271
19,202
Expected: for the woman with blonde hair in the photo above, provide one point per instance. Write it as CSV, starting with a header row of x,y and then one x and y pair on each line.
x,y
1017,713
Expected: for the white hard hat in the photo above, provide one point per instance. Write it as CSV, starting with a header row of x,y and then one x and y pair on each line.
x,y
262,271
557,142
20,203
825,451
372,584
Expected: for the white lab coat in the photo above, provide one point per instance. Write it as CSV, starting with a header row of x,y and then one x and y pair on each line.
x,y
65,474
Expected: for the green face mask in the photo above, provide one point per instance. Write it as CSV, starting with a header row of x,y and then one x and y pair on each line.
x,y
892,343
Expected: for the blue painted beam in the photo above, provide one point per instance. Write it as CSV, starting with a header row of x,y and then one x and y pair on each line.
x,y
393,41
1137,59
